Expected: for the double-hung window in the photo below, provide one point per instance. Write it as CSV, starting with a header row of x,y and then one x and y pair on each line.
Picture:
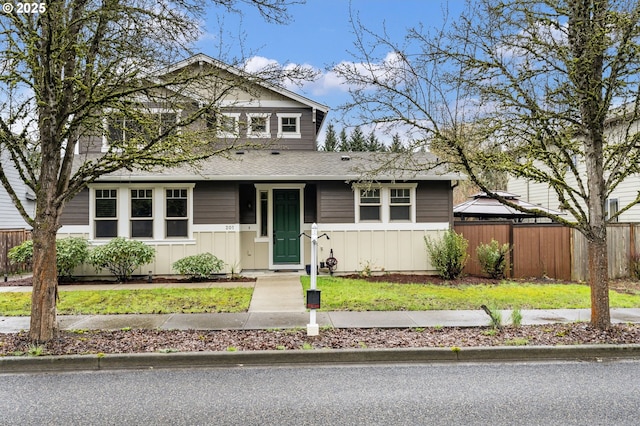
x,y
228,124
289,125
106,213
258,126
370,204
176,213
141,213
399,204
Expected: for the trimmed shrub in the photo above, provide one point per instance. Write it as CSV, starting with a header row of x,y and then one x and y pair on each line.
x,y
448,254
493,258
121,257
71,252
198,266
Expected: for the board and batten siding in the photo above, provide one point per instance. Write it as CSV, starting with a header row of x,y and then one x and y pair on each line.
x,y
215,203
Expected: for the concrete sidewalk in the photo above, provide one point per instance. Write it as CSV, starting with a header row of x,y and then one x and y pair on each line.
x,y
278,302
272,320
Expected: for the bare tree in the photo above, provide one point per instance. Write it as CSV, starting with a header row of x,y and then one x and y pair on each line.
x,y
550,88
69,62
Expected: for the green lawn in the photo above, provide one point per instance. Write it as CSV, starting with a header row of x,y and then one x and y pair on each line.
x,y
340,294
154,301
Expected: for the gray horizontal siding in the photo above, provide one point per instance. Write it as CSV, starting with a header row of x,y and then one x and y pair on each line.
x,y
215,203
76,210
434,202
335,203
307,141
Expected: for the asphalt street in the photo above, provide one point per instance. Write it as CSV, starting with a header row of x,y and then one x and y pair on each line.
x,y
549,393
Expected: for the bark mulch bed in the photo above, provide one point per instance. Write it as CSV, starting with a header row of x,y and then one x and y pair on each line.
x,y
136,341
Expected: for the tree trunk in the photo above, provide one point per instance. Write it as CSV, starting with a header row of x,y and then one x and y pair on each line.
x,y
599,283
44,325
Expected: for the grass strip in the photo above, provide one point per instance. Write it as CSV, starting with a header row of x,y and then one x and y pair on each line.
x,y
341,294
153,301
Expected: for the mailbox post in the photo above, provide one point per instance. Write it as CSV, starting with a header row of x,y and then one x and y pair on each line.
x,y
312,328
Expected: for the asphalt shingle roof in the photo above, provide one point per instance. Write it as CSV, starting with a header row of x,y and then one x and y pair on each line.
x,y
289,165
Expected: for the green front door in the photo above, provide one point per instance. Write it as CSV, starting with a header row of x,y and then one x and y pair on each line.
x,y
286,226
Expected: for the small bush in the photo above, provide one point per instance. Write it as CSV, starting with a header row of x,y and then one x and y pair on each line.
x,y
71,252
22,253
448,254
493,258
121,257
198,266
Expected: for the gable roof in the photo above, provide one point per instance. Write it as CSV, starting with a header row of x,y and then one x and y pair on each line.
x,y
285,165
202,58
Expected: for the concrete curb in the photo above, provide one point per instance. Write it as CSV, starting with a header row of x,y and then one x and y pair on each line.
x,y
140,361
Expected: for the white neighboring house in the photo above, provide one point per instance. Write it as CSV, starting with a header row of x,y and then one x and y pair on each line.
x,y
625,193
10,218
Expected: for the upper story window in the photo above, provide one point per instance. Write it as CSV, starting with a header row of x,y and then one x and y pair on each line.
x,y
258,125
289,125
225,124
120,128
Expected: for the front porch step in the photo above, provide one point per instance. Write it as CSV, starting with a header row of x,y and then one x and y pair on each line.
x,y
278,293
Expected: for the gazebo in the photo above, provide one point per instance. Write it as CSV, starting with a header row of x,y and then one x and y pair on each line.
x,y
482,207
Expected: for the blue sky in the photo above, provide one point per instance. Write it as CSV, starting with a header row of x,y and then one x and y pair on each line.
x,y
319,35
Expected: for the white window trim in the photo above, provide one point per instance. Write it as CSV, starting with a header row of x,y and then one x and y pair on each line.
x,y
289,135
251,133
608,204
123,206
385,202
236,125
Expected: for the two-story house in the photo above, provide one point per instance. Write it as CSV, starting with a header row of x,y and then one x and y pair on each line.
x,y
250,208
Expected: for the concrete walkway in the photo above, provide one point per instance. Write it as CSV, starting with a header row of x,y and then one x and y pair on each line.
x,y
280,292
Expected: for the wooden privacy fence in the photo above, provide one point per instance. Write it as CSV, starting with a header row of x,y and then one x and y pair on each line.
x,y
547,249
538,249
623,241
10,238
